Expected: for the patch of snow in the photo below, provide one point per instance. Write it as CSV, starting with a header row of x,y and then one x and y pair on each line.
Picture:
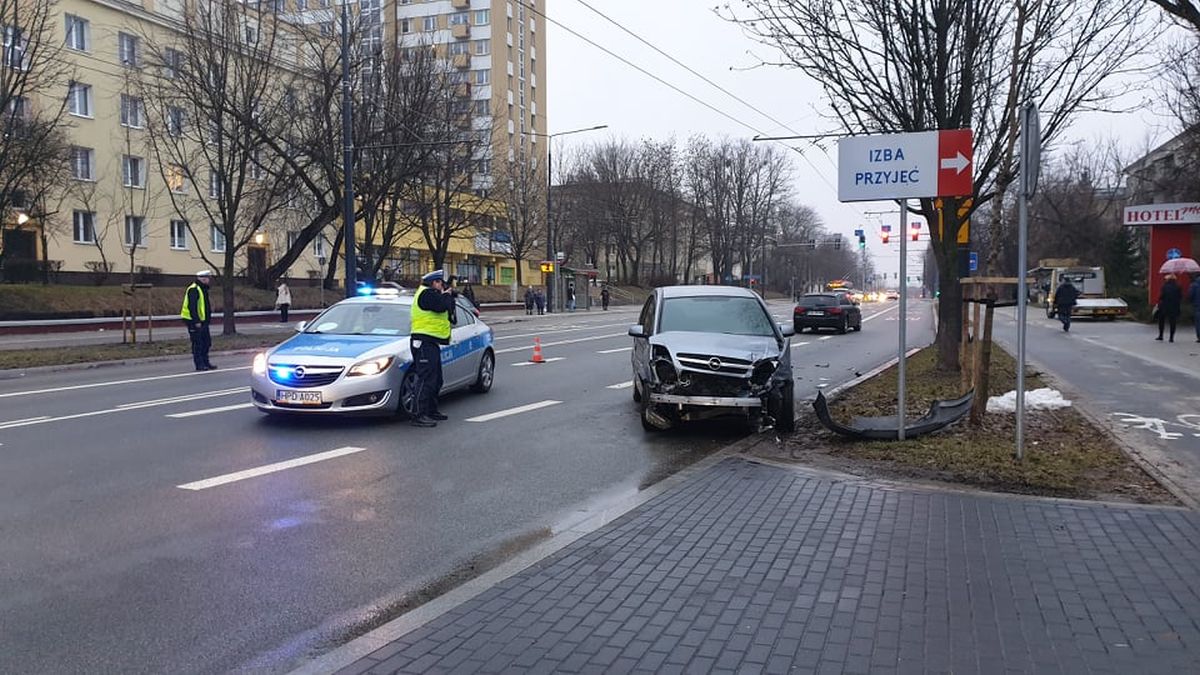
x,y
1036,399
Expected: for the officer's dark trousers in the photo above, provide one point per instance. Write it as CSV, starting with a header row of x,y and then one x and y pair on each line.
x,y
201,343
427,371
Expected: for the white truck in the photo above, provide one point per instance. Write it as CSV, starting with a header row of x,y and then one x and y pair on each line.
x,y
1092,301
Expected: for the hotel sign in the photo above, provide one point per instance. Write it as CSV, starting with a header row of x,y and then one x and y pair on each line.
x,y
1162,214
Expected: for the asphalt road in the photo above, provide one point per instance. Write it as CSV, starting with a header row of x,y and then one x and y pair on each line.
x,y
106,565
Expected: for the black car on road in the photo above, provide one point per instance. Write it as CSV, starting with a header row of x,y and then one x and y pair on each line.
x,y
827,310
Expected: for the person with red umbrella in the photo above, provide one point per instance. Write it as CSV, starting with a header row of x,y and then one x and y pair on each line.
x,y
1170,301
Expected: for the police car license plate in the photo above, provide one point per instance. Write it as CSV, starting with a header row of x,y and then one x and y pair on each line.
x,y
298,397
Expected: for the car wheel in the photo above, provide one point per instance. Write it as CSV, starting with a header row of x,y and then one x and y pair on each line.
x,y
858,325
487,374
783,409
844,327
406,396
644,413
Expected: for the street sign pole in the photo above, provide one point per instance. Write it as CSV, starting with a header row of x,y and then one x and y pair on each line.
x,y
1030,160
900,390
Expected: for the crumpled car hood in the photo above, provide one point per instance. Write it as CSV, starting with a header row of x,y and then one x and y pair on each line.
x,y
748,347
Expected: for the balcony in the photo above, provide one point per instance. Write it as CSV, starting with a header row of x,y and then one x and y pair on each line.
x,y
460,4
460,31
461,61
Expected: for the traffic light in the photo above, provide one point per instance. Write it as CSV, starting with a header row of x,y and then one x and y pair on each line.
x,y
837,244
916,231
862,241
886,236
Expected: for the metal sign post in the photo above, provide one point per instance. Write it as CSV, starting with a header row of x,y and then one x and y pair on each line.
x,y
900,389
1031,149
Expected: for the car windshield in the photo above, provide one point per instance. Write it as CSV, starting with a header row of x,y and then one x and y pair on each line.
x,y
359,318
716,314
818,300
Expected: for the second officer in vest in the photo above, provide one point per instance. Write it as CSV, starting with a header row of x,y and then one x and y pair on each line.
x,y
196,314
432,317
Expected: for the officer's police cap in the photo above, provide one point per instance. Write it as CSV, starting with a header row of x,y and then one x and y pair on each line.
x,y
436,275
204,273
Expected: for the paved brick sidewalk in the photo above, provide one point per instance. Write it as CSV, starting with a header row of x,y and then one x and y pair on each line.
x,y
751,568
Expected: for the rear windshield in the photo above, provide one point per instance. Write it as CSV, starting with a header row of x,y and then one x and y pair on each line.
x,y
818,301
355,318
716,314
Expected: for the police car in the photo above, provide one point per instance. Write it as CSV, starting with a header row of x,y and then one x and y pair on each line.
x,y
354,358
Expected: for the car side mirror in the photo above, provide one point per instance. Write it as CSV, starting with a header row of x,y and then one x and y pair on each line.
x,y
787,329
301,326
637,331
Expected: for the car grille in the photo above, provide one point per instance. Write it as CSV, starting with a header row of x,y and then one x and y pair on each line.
x,y
311,376
729,366
711,384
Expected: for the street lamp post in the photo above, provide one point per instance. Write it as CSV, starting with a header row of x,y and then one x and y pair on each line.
x,y
347,162
551,293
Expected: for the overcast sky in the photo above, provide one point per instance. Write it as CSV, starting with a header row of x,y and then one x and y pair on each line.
x,y
589,87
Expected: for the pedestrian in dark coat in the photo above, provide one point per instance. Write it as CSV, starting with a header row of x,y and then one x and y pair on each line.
x,y
469,294
604,297
530,300
1170,303
1194,298
539,298
1065,297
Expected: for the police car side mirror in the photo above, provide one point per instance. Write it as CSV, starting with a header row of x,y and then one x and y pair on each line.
x,y
301,326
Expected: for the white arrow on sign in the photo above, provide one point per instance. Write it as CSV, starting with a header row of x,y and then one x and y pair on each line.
x,y
958,162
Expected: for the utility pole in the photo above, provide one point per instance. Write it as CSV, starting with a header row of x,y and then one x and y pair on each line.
x,y
348,161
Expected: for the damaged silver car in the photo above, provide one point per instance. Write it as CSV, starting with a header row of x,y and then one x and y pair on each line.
x,y
711,351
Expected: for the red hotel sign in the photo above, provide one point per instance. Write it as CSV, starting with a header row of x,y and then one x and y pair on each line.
x,y
1162,214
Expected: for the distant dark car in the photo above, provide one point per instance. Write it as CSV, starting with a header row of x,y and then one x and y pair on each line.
x,y
827,310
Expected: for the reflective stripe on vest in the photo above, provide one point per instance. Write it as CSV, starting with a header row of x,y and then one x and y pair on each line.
x,y
201,306
424,322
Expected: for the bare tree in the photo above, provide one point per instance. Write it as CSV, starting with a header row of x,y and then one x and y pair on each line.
x,y
946,64
32,109
204,89
1184,11
521,187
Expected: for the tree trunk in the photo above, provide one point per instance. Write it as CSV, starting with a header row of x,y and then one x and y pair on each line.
x,y
228,301
520,277
949,330
334,254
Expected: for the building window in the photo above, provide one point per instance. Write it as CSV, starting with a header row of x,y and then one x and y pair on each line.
x,y
214,185
172,62
133,171
406,25
175,117
135,231
481,107
257,172
251,34
459,49
301,5
177,179
218,238
319,246
84,227
128,50
430,24
82,162
79,34
79,99
460,19
131,111
483,47
483,77
326,28
15,45
483,17
18,109
179,235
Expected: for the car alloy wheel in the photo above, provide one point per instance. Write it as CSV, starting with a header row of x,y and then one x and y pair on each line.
x,y
407,395
487,374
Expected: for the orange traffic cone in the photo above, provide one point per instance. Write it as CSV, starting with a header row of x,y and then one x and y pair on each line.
x,y
537,351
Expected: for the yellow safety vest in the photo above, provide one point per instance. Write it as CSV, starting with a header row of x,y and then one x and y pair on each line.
x,y
200,305
424,322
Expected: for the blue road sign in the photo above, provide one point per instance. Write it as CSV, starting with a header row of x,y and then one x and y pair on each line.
x,y
974,261
1173,253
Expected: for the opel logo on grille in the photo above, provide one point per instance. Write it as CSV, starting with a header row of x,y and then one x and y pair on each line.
x,y
714,363
298,371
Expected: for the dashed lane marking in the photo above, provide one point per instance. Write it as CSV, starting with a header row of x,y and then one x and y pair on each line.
x,y
125,407
513,411
269,468
827,337
211,411
531,363
799,344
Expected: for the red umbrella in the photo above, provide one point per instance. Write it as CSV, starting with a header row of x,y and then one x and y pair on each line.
x,y
1179,266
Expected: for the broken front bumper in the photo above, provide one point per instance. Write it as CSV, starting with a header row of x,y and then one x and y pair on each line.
x,y
707,401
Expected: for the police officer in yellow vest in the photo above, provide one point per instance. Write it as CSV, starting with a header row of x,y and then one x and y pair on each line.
x,y
196,313
432,318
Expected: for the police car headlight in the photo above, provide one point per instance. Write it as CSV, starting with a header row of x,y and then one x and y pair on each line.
x,y
372,367
260,364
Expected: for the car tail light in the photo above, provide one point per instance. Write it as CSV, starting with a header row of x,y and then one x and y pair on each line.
x,y
801,310
835,310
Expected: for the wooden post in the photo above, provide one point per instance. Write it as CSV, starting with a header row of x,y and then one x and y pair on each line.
x,y
983,360
963,360
975,294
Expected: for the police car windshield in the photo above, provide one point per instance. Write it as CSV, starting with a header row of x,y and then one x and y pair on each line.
x,y
716,314
360,318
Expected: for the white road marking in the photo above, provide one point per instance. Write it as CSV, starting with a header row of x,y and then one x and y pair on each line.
x,y
513,411
122,408
798,344
880,313
26,419
183,398
269,468
574,328
210,411
562,342
531,363
828,337
112,383
615,351
622,385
